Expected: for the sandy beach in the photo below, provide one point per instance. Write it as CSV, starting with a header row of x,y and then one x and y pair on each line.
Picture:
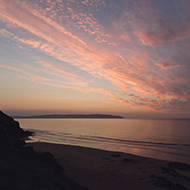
x,y
106,170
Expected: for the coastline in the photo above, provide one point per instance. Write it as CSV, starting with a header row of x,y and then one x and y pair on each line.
x,y
100,169
20,166
160,140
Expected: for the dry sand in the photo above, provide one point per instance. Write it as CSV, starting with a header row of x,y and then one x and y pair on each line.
x,y
105,170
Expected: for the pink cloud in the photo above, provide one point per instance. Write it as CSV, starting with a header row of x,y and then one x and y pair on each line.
x,y
107,101
100,90
78,85
60,85
122,101
58,71
82,52
129,69
93,3
152,38
166,65
142,90
61,69
151,29
32,76
88,23
140,102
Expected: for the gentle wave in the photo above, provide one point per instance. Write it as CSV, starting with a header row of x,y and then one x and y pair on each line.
x,y
161,139
59,137
151,148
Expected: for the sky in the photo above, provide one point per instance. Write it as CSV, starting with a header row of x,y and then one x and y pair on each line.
x,y
123,57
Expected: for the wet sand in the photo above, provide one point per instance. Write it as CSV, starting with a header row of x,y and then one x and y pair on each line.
x,y
106,170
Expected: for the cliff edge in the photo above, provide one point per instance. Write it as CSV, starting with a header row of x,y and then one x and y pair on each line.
x,y
21,168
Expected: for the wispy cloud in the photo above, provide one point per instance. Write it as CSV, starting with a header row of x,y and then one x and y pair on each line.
x,y
163,35
134,51
28,75
61,70
167,65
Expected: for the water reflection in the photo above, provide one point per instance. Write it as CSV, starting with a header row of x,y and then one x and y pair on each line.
x,y
163,139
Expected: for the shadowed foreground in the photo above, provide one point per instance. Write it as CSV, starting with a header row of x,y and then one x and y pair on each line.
x,y
105,170
21,168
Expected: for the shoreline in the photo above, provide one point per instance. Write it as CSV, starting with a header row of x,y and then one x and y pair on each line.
x,y
101,169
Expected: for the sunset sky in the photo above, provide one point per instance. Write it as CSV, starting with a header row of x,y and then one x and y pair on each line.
x,y
123,57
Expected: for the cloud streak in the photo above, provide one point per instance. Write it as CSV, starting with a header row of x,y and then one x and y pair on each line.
x,y
134,51
29,75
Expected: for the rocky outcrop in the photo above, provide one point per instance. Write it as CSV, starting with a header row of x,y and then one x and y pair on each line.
x,y
179,166
24,169
11,133
165,183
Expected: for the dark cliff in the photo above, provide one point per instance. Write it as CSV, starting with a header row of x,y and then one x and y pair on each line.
x,y
21,168
11,133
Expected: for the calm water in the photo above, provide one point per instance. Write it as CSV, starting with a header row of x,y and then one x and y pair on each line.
x,y
162,139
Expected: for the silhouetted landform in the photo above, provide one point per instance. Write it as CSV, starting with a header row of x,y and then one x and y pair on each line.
x,y
24,169
10,131
91,116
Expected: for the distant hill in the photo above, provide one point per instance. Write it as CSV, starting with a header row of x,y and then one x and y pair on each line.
x,y
96,116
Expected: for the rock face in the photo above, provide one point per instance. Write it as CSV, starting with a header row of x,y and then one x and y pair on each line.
x,y
12,127
10,132
24,169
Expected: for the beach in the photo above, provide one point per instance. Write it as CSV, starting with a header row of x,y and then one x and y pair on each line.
x,y
103,170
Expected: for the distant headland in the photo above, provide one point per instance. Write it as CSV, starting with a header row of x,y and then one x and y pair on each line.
x,y
74,116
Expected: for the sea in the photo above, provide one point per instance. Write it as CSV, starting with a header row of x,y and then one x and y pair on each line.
x,y
167,139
